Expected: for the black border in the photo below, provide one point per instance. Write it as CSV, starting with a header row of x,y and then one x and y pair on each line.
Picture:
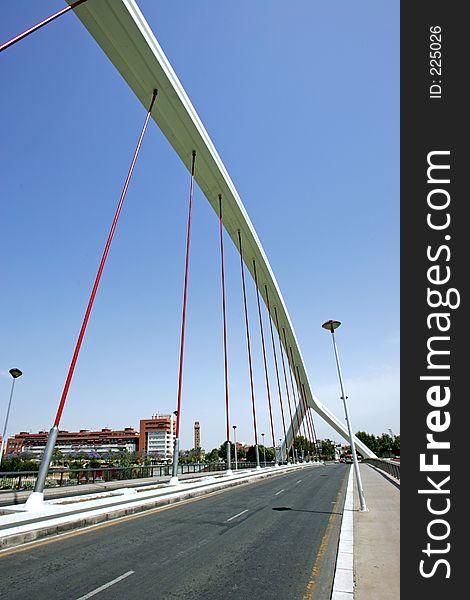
x,y
430,124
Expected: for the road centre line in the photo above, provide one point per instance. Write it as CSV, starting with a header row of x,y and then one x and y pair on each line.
x,y
279,492
298,481
105,586
231,518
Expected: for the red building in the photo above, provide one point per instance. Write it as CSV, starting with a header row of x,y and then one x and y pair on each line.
x,y
106,440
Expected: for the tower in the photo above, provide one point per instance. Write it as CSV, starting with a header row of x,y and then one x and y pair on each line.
x,y
197,435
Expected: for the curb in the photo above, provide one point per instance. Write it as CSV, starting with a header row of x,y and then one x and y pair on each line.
x,y
343,584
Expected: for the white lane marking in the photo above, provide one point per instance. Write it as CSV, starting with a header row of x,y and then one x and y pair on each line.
x,y
231,518
105,586
298,481
279,492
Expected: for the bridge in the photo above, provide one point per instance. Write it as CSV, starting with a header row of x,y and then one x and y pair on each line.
x,y
121,31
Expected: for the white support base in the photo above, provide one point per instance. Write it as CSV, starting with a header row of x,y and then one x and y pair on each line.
x,y
228,472
35,502
174,481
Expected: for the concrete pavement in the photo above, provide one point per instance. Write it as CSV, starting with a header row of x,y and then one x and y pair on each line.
x,y
377,538
262,541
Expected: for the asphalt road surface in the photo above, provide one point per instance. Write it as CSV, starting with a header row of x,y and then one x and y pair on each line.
x,y
273,539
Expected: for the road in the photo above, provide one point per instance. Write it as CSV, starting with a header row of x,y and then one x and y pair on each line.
x,y
275,539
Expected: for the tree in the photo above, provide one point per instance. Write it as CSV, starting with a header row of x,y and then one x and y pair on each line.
x,y
302,443
327,449
396,445
57,457
369,440
223,451
384,445
213,455
16,463
241,453
251,454
190,456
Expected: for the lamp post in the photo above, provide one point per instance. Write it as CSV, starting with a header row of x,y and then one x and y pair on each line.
x,y
264,450
176,449
235,445
281,457
331,326
15,373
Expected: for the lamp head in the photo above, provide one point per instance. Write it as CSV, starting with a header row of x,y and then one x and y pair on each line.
x,y
331,325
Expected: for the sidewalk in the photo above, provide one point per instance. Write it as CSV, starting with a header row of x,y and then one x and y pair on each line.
x,y
377,537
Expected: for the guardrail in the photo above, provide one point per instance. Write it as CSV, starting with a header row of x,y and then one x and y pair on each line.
x,y
392,468
59,477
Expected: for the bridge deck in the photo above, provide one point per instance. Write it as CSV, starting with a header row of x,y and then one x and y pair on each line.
x,y
376,537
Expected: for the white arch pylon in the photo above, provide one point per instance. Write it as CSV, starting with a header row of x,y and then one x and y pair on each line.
x,y
120,29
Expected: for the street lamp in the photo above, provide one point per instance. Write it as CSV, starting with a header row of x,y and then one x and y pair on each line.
x,y
15,373
264,450
176,448
235,445
331,326
281,457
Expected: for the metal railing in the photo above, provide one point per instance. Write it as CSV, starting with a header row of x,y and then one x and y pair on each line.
x,y
390,467
61,477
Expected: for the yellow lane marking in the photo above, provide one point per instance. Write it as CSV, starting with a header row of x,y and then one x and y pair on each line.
x,y
308,595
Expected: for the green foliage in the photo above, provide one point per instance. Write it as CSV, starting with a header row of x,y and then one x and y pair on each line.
x,y
302,443
76,464
125,459
384,445
191,456
16,463
251,454
327,449
57,457
241,453
213,455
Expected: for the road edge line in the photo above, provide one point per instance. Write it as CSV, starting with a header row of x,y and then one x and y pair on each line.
x,y
343,583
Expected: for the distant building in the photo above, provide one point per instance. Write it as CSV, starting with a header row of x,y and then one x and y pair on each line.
x,y
157,436
197,435
68,442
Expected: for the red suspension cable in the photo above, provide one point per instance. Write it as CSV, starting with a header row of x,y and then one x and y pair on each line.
x,y
294,417
248,340
290,364
227,418
285,380
102,263
276,366
34,28
312,421
185,293
304,404
268,391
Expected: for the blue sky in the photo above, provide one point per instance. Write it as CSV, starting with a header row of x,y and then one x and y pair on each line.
x,y
302,102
